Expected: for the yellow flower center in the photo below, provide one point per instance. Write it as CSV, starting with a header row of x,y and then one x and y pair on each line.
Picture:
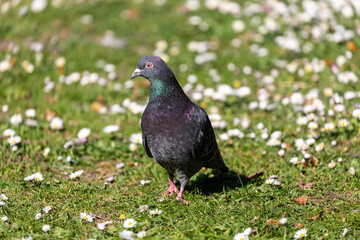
x,y
137,140
76,175
122,216
302,234
130,223
343,124
37,178
86,217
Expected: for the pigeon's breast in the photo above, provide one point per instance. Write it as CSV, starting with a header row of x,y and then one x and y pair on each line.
x,y
171,146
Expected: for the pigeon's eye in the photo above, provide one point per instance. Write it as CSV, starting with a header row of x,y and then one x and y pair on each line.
x,y
149,65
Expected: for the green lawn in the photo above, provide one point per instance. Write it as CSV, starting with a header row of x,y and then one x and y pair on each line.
x,y
273,50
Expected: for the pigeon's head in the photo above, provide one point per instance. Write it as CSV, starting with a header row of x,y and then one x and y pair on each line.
x,y
152,67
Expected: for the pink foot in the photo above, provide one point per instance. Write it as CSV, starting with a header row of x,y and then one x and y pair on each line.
x,y
179,196
172,188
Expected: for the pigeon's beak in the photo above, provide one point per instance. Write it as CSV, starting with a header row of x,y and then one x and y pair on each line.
x,y
136,73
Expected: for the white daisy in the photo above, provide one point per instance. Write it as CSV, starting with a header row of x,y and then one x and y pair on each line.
x,y
132,147
343,123
356,113
241,236
14,140
319,147
56,123
283,221
332,164
155,212
16,119
47,209
302,233
30,113
143,182
3,197
87,217
136,138
60,62
329,127
101,226
111,129
141,234
126,234
46,228
129,223
84,134
38,177
76,174
46,152
9,132
294,160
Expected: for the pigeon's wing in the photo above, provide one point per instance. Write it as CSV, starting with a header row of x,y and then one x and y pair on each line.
x,y
147,149
144,129
205,148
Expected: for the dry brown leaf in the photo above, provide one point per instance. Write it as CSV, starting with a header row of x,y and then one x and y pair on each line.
x,y
257,174
184,202
96,136
298,225
313,161
132,164
304,186
329,62
96,106
49,114
351,46
316,216
60,71
271,221
301,200
105,164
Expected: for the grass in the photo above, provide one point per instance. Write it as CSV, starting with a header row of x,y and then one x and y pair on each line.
x,y
218,207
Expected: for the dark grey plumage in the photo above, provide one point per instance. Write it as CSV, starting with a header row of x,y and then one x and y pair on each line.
x,y
176,131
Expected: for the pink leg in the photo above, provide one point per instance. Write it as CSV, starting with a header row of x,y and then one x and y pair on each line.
x,y
179,196
172,188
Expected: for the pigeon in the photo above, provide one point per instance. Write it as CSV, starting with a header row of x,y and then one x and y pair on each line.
x,y
175,131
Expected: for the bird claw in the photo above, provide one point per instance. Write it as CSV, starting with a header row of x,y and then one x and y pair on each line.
x,y
172,189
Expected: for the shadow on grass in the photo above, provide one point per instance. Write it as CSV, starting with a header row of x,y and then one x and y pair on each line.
x,y
208,185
